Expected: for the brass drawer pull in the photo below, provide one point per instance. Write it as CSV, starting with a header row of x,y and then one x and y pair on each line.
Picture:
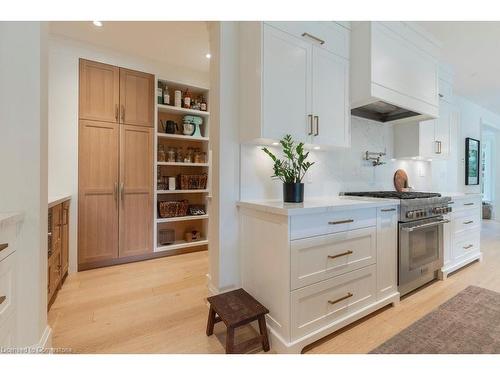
x,y
320,41
468,222
387,209
348,295
469,204
341,222
2,299
3,246
468,247
348,252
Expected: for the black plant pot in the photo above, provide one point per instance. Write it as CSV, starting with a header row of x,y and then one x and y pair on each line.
x,y
293,192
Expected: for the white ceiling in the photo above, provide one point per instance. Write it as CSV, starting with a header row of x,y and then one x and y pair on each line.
x,y
175,43
473,50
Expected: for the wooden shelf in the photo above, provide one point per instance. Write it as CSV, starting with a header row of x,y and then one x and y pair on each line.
x,y
182,218
177,164
182,191
182,244
183,137
179,110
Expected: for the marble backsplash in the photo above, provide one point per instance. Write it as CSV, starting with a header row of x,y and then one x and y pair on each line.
x,y
337,170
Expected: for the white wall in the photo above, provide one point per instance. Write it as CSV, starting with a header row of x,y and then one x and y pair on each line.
x,y
224,258
63,112
23,164
338,170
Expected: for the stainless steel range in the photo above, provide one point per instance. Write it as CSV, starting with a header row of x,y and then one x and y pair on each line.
x,y
421,225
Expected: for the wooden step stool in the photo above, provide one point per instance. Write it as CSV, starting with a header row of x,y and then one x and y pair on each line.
x,y
235,309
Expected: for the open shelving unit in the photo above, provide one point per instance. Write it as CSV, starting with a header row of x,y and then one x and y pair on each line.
x,y
181,225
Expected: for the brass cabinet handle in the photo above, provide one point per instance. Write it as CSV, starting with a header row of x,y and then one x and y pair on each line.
x,y
310,124
387,209
468,222
468,247
122,188
2,299
316,119
469,204
116,112
115,192
123,113
341,222
320,41
3,246
348,252
348,295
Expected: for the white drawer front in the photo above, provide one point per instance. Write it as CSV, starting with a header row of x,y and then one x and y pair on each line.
x,y
304,226
7,333
466,244
7,295
319,258
461,204
335,38
320,304
465,220
7,237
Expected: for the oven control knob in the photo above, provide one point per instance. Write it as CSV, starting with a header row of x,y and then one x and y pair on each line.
x,y
410,214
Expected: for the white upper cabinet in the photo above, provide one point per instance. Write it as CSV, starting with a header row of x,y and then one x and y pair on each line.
x,y
394,72
330,104
294,79
286,85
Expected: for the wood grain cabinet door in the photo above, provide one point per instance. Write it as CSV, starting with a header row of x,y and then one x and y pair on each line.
x,y
136,190
136,98
98,191
99,91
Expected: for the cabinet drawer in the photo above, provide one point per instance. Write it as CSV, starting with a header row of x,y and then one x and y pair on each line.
x,y
7,240
329,301
7,295
462,204
304,226
335,37
7,333
466,244
466,220
319,258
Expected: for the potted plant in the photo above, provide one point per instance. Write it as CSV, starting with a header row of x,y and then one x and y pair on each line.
x,y
291,169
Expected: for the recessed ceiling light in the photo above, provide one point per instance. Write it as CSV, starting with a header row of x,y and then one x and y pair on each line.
x,y
275,143
208,55
97,23
316,147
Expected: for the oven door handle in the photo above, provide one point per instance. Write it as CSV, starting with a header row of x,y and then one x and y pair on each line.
x,y
411,229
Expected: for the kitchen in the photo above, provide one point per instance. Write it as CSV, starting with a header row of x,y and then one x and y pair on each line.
x,y
388,215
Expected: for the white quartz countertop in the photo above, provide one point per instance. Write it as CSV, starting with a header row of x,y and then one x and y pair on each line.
x,y
8,218
316,205
458,195
55,200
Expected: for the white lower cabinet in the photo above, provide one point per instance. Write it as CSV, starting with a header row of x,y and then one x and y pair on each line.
x,y
462,243
318,272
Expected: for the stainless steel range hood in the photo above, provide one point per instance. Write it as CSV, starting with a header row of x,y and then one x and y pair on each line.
x,y
383,112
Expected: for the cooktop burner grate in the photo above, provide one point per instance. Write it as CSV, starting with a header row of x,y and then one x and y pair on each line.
x,y
393,194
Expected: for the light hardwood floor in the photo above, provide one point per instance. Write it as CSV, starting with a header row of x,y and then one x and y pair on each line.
x,y
158,306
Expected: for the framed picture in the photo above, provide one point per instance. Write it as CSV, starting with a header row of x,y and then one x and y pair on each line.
x,y
472,147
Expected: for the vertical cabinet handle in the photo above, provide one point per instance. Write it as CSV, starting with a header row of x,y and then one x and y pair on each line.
x,y
115,192
310,124
123,113
122,188
116,112
316,119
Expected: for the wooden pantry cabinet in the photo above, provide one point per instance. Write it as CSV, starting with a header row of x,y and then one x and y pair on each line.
x,y
115,213
112,94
